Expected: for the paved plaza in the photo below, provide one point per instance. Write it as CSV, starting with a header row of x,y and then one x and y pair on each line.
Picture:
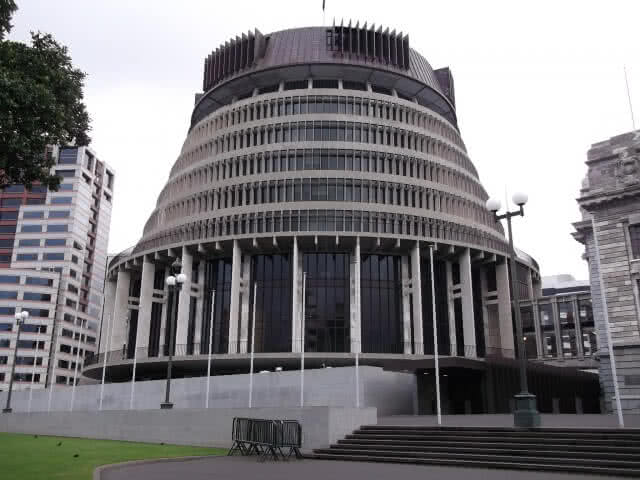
x,y
237,468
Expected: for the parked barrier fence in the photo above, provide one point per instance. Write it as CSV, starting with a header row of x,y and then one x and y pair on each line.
x,y
266,438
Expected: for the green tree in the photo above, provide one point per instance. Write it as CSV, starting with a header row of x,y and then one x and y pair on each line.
x,y
41,103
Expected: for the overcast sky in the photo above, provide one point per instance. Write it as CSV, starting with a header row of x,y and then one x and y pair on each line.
x,y
536,84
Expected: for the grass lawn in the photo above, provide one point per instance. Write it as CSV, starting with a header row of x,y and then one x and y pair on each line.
x,y
27,457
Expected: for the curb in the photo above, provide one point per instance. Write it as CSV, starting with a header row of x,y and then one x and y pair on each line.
x,y
97,473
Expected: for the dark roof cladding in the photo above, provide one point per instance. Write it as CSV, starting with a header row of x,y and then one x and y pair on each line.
x,y
366,54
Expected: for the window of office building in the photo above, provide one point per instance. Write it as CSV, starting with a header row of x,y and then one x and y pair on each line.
x,y
9,279
26,257
46,282
57,228
549,347
54,256
36,296
8,295
54,242
59,214
567,329
29,242
31,228
33,214
327,302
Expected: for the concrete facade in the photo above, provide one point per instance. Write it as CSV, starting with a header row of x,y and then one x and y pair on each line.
x,y
610,203
321,426
391,393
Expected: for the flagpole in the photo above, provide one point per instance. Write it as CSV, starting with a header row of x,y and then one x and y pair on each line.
x,y
52,380
304,284
75,374
253,337
213,300
133,374
626,79
435,335
104,360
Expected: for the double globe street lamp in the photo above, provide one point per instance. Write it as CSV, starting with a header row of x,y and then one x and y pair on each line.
x,y
526,414
174,283
21,317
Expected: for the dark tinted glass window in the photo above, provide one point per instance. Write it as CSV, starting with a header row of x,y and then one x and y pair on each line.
x,y
634,236
39,281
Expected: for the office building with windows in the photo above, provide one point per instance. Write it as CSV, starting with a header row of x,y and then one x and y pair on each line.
x,y
323,174
558,325
52,264
610,231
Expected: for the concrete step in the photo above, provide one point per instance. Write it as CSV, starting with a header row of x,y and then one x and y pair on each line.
x,y
534,433
626,431
527,458
537,450
514,465
577,447
394,436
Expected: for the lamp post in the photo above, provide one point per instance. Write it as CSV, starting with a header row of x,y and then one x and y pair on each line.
x,y
174,282
21,317
526,414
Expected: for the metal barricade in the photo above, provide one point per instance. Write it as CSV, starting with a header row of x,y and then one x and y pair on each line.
x,y
266,438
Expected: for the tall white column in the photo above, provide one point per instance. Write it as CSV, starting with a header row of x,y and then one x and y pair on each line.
x,y
109,305
468,321
504,307
146,296
182,325
406,304
416,278
356,317
244,304
235,297
120,310
296,296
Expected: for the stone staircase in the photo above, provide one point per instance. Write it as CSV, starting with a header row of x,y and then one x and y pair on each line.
x,y
588,451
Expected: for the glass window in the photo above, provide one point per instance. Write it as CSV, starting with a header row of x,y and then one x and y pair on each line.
x,y
59,214
47,282
40,297
7,295
54,242
9,279
57,228
10,202
9,215
33,214
13,188
29,242
61,200
26,257
57,256
65,187
66,173
634,237
31,228
8,228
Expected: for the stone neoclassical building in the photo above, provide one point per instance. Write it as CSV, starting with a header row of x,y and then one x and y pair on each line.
x,y
331,153
610,200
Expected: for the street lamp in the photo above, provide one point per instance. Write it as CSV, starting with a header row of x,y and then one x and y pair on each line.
x,y
526,414
21,317
174,283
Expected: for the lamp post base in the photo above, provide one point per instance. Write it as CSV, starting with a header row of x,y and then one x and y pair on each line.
x,y
7,410
526,414
166,405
